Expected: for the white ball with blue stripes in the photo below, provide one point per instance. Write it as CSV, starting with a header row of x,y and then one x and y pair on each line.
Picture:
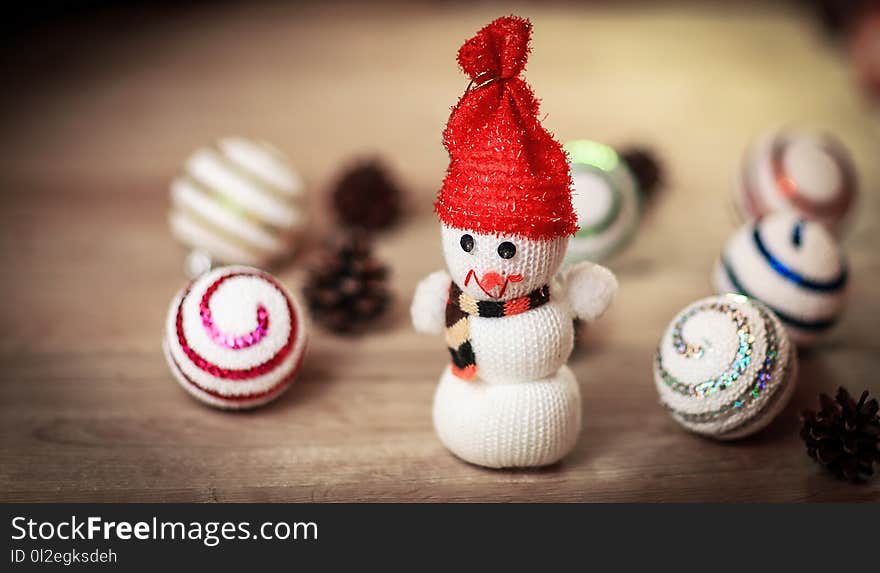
x,y
794,266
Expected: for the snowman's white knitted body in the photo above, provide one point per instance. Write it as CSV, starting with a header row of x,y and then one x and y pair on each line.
x,y
523,408
515,424
507,399
523,347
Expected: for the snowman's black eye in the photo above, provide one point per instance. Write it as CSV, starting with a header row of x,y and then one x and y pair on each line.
x,y
467,243
506,250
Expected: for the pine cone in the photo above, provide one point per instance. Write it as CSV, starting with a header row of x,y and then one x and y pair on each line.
x,y
844,436
645,167
837,16
346,287
367,198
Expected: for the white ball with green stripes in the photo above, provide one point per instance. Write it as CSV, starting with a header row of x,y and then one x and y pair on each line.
x,y
792,265
239,201
606,198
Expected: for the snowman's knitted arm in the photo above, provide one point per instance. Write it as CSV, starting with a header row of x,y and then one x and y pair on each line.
x,y
428,308
590,289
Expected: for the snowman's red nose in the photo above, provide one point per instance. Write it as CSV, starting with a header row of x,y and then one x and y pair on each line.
x,y
491,280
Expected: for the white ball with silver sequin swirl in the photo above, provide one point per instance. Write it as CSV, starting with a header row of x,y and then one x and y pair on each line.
x,y
806,172
235,338
793,266
724,367
238,201
606,198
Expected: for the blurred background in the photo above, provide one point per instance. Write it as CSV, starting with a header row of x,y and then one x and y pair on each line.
x,y
103,101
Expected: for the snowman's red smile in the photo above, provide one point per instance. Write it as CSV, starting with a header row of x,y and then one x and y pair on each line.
x,y
492,281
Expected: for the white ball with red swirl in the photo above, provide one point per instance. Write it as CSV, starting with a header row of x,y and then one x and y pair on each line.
x,y
235,338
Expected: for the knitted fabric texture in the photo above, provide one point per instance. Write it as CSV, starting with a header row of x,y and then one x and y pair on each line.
x,y
534,264
724,367
506,175
509,425
235,338
793,266
461,307
507,399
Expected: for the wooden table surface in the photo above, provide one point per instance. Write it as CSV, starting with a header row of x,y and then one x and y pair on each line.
x,y
98,115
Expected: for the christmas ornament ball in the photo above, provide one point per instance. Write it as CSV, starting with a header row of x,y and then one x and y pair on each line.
x,y
795,267
725,367
806,172
239,201
605,196
235,338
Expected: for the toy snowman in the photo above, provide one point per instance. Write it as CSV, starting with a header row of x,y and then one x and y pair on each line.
x,y
507,399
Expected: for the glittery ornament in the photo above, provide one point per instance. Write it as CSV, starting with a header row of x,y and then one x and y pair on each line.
x,y
235,338
793,266
608,189
507,398
844,435
724,367
347,288
238,201
506,172
367,198
808,173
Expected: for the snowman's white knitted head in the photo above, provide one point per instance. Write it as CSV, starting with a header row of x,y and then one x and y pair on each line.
x,y
500,267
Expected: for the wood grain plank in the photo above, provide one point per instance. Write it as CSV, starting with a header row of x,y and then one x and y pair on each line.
x,y
88,410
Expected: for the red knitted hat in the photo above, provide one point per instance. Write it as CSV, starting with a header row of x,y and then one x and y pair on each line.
x,y
506,175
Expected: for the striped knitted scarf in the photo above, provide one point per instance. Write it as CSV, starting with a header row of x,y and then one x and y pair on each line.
x,y
460,307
